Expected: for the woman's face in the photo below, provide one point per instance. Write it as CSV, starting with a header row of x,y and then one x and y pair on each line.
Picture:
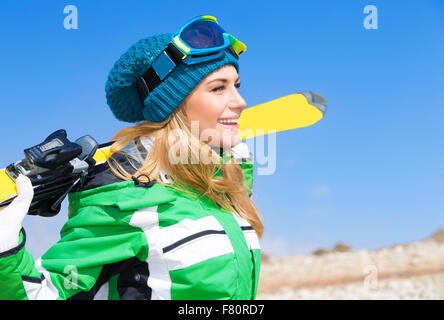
x,y
216,98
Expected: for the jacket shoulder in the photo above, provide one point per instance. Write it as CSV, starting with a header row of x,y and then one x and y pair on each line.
x,y
103,188
101,174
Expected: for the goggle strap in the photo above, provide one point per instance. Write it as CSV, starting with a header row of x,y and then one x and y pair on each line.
x,y
231,50
150,79
175,54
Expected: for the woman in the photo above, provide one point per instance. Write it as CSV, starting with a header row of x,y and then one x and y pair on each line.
x,y
169,215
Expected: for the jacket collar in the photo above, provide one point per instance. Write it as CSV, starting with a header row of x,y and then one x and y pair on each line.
x,y
148,143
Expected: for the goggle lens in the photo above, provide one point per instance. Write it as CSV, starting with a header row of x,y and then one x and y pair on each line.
x,y
203,34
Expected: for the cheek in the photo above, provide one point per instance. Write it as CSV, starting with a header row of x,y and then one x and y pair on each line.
x,y
206,112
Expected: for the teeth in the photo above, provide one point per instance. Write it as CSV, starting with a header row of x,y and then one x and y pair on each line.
x,y
230,121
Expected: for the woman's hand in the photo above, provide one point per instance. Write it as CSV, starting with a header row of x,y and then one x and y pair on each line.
x,y
12,216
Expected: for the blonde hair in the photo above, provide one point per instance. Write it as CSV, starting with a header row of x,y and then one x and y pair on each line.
x,y
229,192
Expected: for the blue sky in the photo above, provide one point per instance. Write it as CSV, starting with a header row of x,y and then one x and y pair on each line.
x,y
370,174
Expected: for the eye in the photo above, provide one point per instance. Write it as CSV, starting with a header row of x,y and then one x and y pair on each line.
x,y
218,88
237,85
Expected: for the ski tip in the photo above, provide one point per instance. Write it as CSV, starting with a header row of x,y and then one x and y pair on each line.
x,y
316,100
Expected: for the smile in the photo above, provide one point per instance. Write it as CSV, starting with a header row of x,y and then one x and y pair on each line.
x,y
228,121
229,124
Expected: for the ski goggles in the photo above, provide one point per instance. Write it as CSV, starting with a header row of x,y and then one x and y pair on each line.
x,y
200,40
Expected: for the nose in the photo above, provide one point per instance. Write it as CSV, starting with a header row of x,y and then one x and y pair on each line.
x,y
237,102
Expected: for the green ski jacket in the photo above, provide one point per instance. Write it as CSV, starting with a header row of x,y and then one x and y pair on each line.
x,y
127,241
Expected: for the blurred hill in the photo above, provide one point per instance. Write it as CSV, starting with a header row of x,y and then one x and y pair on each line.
x,y
405,271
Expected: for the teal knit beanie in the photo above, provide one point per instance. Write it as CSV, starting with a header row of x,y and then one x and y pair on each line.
x,y
121,91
